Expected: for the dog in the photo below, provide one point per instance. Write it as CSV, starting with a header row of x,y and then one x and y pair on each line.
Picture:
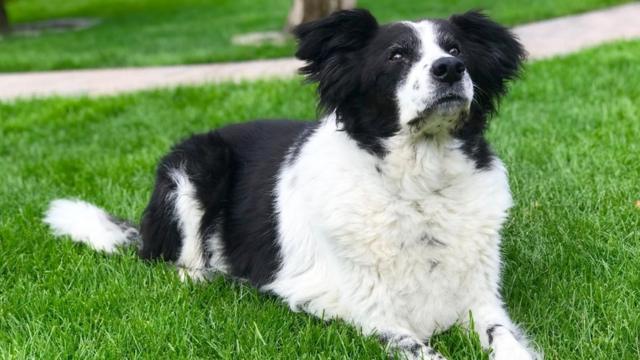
x,y
386,212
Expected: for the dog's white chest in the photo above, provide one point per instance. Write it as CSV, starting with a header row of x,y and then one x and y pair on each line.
x,y
404,239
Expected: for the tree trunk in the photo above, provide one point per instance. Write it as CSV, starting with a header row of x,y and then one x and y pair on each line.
x,y
4,18
308,10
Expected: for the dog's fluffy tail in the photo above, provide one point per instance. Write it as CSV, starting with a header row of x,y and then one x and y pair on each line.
x,y
88,224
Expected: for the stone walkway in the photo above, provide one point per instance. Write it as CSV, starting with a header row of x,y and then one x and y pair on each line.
x,y
541,39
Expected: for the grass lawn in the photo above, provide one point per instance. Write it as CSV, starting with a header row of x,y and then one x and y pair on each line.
x,y
160,32
568,133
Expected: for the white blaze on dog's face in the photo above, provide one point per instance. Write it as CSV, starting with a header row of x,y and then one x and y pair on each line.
x,y
436,94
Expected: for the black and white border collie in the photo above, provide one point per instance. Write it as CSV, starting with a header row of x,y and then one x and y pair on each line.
x,y
386,212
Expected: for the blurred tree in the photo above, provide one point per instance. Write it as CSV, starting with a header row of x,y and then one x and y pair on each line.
x,y
307,10
4,18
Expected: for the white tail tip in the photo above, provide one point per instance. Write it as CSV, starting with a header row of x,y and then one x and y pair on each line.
x,y
86,223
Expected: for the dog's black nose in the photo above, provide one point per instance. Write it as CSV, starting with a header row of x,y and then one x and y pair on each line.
x,y
447,69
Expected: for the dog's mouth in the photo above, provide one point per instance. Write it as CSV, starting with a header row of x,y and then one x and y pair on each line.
x,y
449,99
448,106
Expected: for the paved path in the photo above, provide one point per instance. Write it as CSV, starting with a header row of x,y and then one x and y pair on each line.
x,y
542,39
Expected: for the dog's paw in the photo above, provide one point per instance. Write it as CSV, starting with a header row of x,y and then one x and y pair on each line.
x,y
422,353
513,350
194,275
411,350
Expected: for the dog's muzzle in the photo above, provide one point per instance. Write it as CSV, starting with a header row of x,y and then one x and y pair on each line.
x,y
447,111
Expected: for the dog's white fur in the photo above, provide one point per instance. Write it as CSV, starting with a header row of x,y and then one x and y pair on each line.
x,y
431,258
188,213
403,246
85,223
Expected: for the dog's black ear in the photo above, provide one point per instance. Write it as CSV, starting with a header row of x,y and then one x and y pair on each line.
x,y
329,47
493,56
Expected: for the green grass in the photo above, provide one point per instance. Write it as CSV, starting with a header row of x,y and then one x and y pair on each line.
x,y
568,133
161,32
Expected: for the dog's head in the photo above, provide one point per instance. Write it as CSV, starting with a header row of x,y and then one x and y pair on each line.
x,y
423,78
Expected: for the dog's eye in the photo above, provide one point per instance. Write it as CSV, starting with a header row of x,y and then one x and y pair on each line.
x,y
396,55
454,51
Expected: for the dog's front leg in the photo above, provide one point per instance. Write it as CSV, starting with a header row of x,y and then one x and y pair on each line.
x,y
499,334
408,347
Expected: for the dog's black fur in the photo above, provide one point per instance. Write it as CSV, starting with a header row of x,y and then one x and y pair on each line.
x,y
234,172
234,168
